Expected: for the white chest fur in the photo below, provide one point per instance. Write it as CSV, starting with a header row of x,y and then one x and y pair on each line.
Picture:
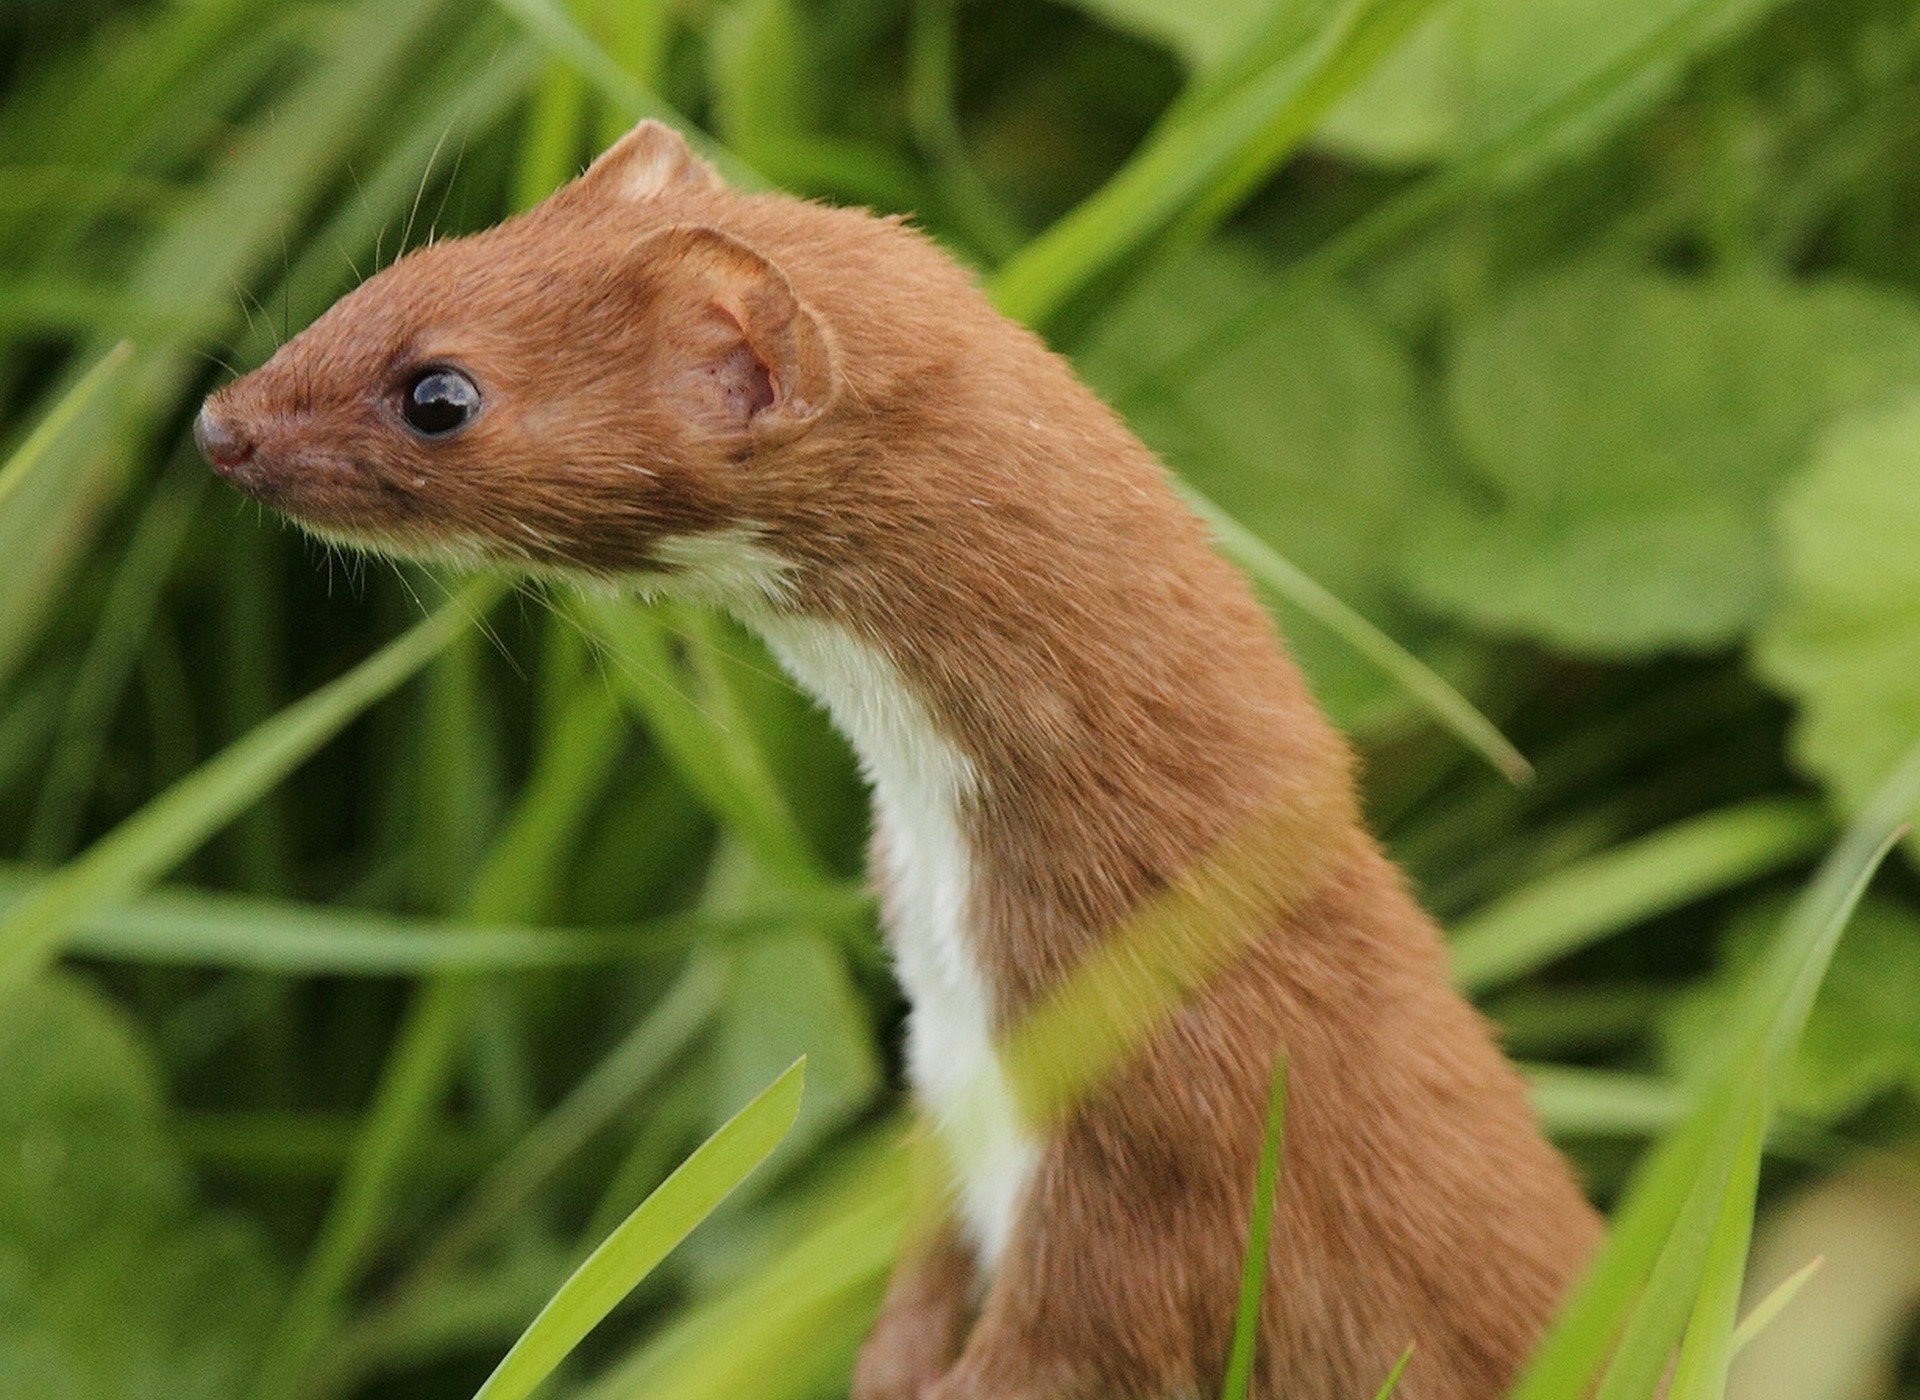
x,y
920,783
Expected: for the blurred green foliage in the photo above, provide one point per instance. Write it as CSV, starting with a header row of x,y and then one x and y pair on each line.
x,y
1575,343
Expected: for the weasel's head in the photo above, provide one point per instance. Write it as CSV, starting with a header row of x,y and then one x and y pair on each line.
x,y
581,387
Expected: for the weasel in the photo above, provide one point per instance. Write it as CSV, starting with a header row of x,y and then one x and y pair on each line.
x,y
1068,707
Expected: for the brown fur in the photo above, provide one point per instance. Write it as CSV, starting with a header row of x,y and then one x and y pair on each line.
x,y
664,356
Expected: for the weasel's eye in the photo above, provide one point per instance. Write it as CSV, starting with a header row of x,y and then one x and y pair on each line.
x,y
439,401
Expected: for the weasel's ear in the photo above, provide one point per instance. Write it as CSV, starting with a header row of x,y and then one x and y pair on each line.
x,y
756,359
648,161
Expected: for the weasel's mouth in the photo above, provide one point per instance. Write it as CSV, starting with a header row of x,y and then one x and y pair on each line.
x,y
348,505
391,542
344,500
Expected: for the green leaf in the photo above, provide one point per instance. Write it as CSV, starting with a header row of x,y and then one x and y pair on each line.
x,y
646,1237
1310,433
1532,143
81,1098
1843,640
1203,35
174,824
93,1184
1624,433
1863,1035
1483,67
1412,108
1523,55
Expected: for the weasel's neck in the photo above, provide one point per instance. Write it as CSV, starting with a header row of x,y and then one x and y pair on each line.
x,y
1065,703
926,864
1018,820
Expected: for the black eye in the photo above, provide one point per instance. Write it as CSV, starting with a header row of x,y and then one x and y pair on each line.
x,y
439,401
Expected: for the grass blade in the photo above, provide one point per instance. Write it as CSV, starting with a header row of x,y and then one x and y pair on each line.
x,y
1452,709
933,109
175,823
557,32
646,1052
646,1237
1617,889
1659,1315
262,180
1577,1102
33,454
1392,1382
1365,37
756,1336
1708,1349
1771,1306
1764,1031
1253,1273
708,740
192,928
420,1067
1191,159
413,1081
125,619
560,35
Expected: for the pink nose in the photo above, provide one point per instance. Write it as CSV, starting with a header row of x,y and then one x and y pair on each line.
x,y
223,445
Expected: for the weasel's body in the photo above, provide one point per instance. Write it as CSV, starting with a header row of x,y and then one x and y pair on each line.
x,y
1074,716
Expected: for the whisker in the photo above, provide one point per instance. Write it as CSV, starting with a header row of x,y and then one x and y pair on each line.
x,y
286,290
420,193
446,190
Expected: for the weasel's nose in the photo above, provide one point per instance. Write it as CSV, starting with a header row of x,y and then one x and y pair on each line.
x,y
223,445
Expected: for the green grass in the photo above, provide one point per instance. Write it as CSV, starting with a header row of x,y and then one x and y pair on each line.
x,y
138,850
420,947
1253,1273
643,1239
